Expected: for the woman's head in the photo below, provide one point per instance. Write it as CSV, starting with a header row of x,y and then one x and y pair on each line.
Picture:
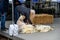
x,y
32,13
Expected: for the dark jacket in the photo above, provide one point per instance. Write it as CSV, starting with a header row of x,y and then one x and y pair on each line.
x,y
24,10
3,5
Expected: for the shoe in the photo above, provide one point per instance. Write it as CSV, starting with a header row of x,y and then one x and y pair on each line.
x,y
4,29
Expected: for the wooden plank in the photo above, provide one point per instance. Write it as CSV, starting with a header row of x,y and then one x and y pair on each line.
x,y
10,37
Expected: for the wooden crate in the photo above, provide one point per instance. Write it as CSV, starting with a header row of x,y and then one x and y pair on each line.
x,y
42,19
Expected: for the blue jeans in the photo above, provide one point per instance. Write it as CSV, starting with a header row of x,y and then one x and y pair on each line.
x,y
2,19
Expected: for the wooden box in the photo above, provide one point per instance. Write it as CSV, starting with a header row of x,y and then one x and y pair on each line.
x,y
42,19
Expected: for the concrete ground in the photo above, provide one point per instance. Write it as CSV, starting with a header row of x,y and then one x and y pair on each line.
x,y
52,35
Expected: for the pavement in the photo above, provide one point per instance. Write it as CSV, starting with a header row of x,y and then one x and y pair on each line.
x,y
52,35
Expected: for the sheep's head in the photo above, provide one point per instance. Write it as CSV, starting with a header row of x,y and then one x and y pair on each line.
x,y
22,17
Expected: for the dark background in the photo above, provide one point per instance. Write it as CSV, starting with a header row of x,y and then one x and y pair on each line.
x,y
27,3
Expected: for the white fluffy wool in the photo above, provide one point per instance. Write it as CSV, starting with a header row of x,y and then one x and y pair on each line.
x,y
20,22
39,28
43,28
28,29
25,28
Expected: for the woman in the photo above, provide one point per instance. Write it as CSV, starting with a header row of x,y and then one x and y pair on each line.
x,y
22,9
